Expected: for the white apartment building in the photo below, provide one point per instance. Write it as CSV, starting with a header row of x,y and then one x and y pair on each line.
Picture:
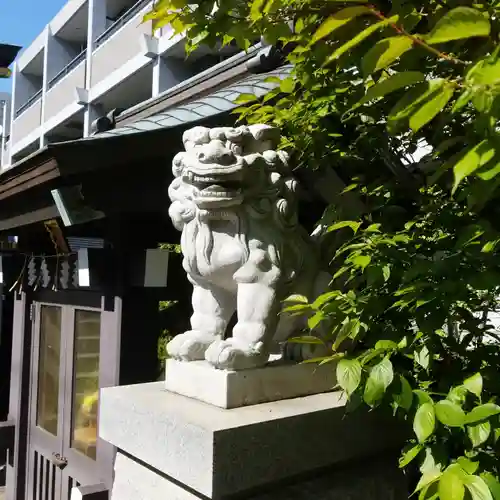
x,y
93,57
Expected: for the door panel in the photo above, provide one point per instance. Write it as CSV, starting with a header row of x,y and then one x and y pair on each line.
x,y
67,372
45,478
82,401
85,390
49,355
47,400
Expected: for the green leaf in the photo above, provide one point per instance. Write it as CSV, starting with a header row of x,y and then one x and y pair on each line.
x,y
462,101
431,107
492,483
287,85
386,271
490,170
485,72
361,261
477,487
409,455
479,433
373,228
490,245
412,103
349,375
474,384
324,298
451,486
315,320
273,79
296,297
458,23
380,378
447,144
244,98
306,339
449,413
297,308
423,397
391,84
482,412
424,422
200,37
256,9
345,223
429,476
338,20
350,329
363,35
468,465
385,52
483,101
404,398
475,158
422,357
386,345
457,394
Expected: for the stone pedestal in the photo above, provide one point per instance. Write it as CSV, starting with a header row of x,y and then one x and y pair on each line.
x,y
232,389
177,448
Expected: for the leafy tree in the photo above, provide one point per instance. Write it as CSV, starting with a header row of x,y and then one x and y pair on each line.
x,y
416,273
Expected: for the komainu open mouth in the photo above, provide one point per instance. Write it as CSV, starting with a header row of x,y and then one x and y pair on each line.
x,y
216,187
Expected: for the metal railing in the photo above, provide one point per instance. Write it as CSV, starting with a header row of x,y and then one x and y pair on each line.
x,y
68,68
35,97
121,21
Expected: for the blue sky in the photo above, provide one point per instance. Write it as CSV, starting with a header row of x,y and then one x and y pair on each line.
x,y
21,22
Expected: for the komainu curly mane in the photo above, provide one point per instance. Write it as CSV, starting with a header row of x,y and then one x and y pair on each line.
x,y
234,199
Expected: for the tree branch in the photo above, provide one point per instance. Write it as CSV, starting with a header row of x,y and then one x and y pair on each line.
x,y
416,39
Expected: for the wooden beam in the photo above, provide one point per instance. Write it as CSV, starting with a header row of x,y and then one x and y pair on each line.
x,y
48,170
29,218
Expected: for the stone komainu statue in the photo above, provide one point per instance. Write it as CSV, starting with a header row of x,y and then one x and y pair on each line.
x,y
234,199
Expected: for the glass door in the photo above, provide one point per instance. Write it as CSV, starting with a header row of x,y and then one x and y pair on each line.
x,y
64,446
45,460
80,443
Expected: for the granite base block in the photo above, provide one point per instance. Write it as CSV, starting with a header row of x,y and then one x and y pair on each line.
x,y
214,453
232,389
374,479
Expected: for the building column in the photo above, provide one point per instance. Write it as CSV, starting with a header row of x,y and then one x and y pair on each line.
x,y
166,74
95,27
5,121
92,112
13,106
45,76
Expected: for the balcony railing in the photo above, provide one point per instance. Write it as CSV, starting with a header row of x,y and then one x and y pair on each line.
x,y
29,102
68,68
121,21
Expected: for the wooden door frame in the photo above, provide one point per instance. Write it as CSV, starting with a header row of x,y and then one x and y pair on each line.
x,y
19,397
47,440
111,310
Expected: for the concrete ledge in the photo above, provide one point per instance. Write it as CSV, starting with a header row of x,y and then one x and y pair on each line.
x,y
233,389
217,452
